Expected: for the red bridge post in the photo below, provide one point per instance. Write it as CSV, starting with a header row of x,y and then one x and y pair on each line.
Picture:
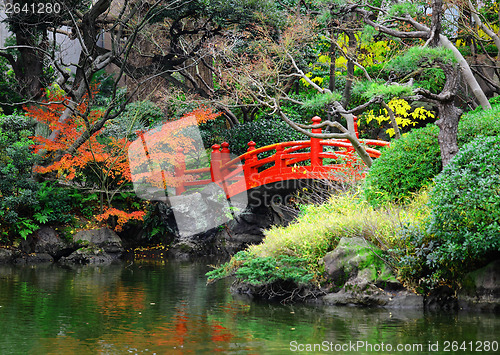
x,y
316,147
180,168
215,163
248,170
279,163
224,159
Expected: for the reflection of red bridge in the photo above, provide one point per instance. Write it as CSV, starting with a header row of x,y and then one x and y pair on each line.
x,y
279,162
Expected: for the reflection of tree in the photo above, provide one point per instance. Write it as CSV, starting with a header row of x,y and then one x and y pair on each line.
x,y
115,309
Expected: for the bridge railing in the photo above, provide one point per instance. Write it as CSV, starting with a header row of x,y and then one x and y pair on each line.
x,y
250,170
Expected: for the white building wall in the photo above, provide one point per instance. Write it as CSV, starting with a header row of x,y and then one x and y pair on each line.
x,y
4,33
69,49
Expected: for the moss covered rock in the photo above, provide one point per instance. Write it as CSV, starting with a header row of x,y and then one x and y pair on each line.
x,y
361,277
481,288
356,263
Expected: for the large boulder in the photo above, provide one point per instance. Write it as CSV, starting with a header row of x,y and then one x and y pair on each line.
x,y
96,246
102,238
6,256
481,289
47,241
89,255
246,229
208,225
359,276
199,212
357,264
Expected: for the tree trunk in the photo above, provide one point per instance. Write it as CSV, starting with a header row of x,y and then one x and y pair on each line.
x,y
449,113
30,66
448,128
350,71
437,12
333,57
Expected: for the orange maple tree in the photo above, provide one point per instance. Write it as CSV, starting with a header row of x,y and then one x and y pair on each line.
x,y
100,162
157,153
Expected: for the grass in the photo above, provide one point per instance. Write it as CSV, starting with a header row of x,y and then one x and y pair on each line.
x,y
320,227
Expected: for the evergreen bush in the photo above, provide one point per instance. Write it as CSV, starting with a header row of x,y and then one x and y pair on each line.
x,y
465,208
138,116
18,188
25,204
479,123
414,160
262,132
405,167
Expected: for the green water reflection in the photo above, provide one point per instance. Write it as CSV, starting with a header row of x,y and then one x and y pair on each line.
x,y
168,309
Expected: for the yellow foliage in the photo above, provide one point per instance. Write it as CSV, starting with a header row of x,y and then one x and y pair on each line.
x,y
319,229
374,53
341,62
324,59
317,79
402,111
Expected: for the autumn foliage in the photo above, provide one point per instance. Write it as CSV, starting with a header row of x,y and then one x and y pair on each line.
x,y
101,163
109,156
156,155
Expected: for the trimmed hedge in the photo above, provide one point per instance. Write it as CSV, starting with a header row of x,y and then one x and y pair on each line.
x,y
262,132
405,167
465,203
413,161
479,123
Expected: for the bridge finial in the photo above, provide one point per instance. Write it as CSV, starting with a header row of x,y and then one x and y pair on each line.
x,y
215,163
251,146
225,147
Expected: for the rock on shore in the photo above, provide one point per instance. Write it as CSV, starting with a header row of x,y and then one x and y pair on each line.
x,y
96,246
360,277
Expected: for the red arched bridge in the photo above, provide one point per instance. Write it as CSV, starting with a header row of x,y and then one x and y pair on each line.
x,y
332,159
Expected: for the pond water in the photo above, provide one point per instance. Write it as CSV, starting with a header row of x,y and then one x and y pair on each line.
x,y
166,308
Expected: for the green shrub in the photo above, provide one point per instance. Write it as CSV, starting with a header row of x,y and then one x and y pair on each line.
x,y
414,160
213,131
479,123
465,203
409,256
405,167
262,132
8,87
18,189
494,100
25,204
54,204
261,271
137,116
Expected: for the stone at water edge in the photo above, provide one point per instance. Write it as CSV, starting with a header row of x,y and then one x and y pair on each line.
x,y
364,279
354,262
481,288
33,259
6,256
96,247
90,255
103,238
47,241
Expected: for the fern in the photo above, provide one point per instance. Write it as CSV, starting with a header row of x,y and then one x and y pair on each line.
x,y
41,218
